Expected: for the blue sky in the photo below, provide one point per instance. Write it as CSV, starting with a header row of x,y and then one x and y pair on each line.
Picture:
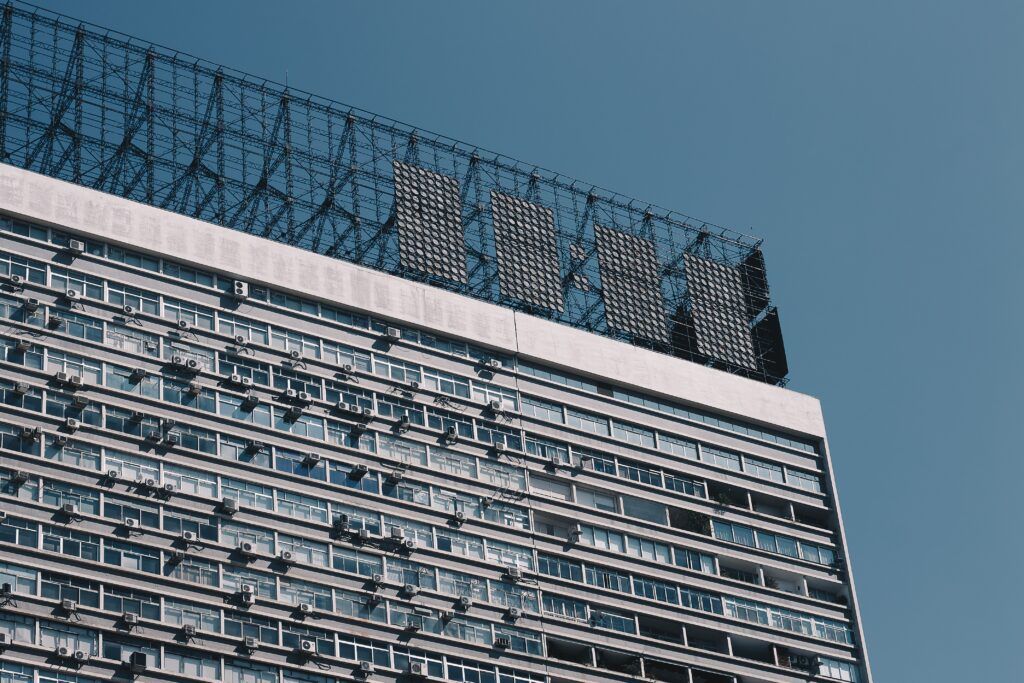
x,y
878,149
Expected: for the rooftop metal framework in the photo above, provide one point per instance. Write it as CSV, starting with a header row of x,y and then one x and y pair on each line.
x,y
126,117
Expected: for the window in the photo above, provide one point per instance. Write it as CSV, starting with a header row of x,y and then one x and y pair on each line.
x,y
542,410
656,590
299,464
22,579
248,494
302,507
187,274
258,372
196,571
340,355
30,270
53,634
803,480
252,331
140,300
596,499
187,480
763,470
395,369
75,453
303,425
486,392
89,370
144,513
586,422
444,421
204,527
233,534
407,572
191,313
715,456
121,600
132,258
451,462
547,449
607,578
71,542
243,625
304,551
693,560
676,446
602,538
356,562
690,487
565,608
633,434
560,567
83,326
86,285
192,665
463,585
131,556
298,381
61,587
297,592
131,340
288,341
445,382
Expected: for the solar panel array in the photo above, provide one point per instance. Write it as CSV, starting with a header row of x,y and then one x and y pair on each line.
x,y
524,240
631,284
718,305
428,212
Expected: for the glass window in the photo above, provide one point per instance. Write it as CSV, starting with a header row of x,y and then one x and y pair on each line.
x,y
594,424
542,410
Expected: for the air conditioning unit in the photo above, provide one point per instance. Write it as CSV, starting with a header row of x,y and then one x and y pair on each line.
x,y
80,656
411,590
16,280
188,630
194,388
5,587
306,608
239,290
137,662
183,325
246,549
149,483
573,536
500,447
72,294
513,573
377,579
154,435
494,406
392,334
250,643
69,509
79,401
229,506
451,434
178,361
168,489
234,378
31,433
311,459
307,647
286,556
397,533
414,622
5,641
459,517
492,364
138,374
464,603
409,545
396,476
240,340
414,385
177,555
447,615
19,477
69,606
128,310
129,618
358,471
192,365
363,535
366,668
76,246
290,394
113,475
131,523
32,304
295,354
63,651
71,424
418,669
248,599
21,388
347,369
503,642
304,398
514,613
250,400
189,536
255,446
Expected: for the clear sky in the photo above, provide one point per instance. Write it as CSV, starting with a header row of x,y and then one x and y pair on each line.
x,y
877,146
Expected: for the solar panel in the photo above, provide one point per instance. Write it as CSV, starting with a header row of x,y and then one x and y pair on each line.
x,y
718,306
631,284
524,238
428,210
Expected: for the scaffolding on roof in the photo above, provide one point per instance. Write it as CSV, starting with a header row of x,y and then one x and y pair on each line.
x,y
130,118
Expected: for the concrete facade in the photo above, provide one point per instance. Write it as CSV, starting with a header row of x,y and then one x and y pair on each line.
x,y
669,521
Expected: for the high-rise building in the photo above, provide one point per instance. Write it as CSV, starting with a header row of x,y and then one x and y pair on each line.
x,y
291,393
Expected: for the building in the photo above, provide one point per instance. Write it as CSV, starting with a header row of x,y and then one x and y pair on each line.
x,y
428,425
